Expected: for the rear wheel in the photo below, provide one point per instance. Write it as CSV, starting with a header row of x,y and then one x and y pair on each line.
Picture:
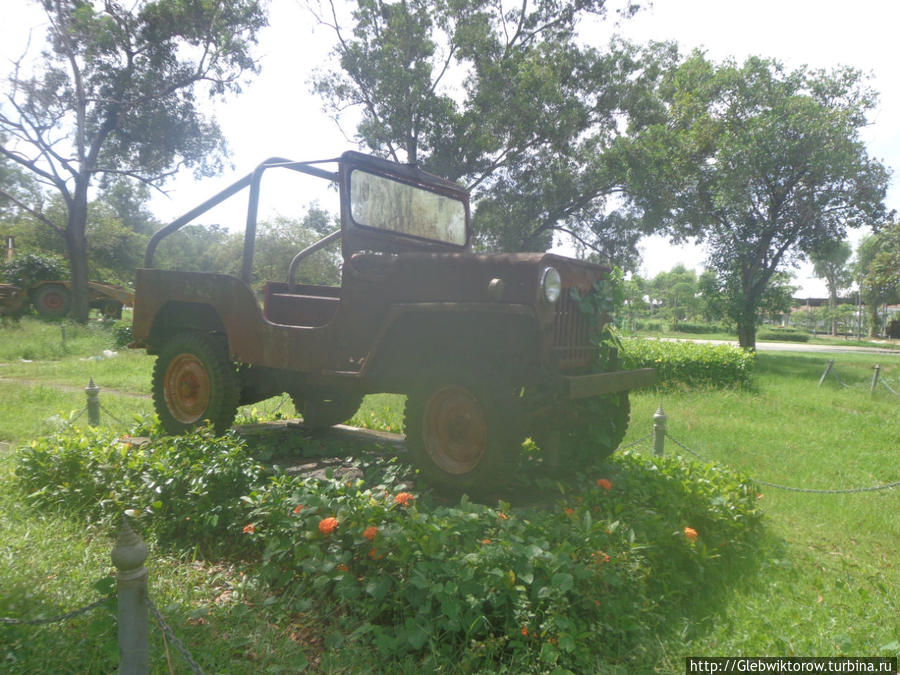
x,y
194,381
52,300
111,309
325,410
464,433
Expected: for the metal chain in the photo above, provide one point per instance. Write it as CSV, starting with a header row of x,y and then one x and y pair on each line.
x,y
61,617
637,442
890,388
170,634
886,486
111,415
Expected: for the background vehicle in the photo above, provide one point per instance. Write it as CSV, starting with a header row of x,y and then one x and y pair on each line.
x,y
487,348
53,298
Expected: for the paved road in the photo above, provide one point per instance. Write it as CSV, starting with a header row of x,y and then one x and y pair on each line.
x,y
803,347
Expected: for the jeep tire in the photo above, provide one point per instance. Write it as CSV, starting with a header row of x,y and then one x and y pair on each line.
x,y
463,433
320,411
194,381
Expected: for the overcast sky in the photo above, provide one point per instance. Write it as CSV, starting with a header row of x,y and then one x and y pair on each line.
x,y
276,114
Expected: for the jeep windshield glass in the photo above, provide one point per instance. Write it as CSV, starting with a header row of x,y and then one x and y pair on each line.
x,y
386,204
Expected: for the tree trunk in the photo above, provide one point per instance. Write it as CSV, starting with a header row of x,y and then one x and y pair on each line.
x,y
832,305
747,333
873,319
76,247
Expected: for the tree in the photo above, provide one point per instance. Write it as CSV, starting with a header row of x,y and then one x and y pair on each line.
x,y
878,271
117,96
502,99
829,258
758,163
709,291
677,291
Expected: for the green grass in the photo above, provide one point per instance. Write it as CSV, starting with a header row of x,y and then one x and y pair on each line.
x,y
829,590
825,584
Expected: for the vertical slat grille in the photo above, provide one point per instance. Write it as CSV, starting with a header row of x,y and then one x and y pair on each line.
x,y
571,335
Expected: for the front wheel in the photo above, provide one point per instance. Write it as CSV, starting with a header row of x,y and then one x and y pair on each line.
x,y
464,434
594,428
194,381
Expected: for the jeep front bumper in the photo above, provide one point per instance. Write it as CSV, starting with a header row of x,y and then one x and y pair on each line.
x,y
584,386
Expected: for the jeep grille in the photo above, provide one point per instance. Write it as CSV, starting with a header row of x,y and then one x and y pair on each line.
x,y
571,335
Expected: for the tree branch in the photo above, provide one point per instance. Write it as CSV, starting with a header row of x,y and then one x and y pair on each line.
x,y
37,214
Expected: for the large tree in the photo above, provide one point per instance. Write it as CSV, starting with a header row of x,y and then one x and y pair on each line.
x,y
878,271
116,94
830,262
503,98
761,164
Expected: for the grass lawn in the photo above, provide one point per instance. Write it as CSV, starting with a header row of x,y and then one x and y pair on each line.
x,y
826,583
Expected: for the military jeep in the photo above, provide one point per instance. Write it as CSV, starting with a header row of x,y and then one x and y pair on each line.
x,y
488,349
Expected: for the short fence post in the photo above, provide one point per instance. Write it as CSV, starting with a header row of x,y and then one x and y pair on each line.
x,y
827,370
93,403
128,556
659,432
875,379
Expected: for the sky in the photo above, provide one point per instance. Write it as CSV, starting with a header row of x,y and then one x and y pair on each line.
x,y
276,115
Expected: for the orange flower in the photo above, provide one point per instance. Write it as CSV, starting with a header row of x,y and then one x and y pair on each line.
x,y
297,509
370,532
605,484
249,529
403,498
601,557
328,525
485,541
691,533
524,631
343,568
569,511
373,554
502,516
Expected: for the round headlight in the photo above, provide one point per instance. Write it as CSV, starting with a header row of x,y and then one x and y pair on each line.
x,y
551,284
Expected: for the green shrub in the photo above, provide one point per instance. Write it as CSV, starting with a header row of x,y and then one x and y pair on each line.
x,y
783,335
689,363
573,584
121,331
649,326
28,269
184,487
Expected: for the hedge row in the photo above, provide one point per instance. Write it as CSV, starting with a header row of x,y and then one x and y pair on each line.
x,y
689,363
783,335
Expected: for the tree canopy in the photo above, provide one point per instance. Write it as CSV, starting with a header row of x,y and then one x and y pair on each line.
x,y
116,94
503,99
759,163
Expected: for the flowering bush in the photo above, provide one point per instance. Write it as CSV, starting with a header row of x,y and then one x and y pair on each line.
x,y
579,579
564,584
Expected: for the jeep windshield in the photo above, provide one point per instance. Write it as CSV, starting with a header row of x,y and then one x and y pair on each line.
x,y
384,203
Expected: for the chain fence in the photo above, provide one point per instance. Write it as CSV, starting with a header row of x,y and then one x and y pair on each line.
x,y
877,378
169,636
132,604
9,621
660,434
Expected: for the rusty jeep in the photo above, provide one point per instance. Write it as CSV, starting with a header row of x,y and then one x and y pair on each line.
x,y
488,348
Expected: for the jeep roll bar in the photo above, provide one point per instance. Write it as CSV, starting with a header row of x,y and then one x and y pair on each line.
x,y
252,180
